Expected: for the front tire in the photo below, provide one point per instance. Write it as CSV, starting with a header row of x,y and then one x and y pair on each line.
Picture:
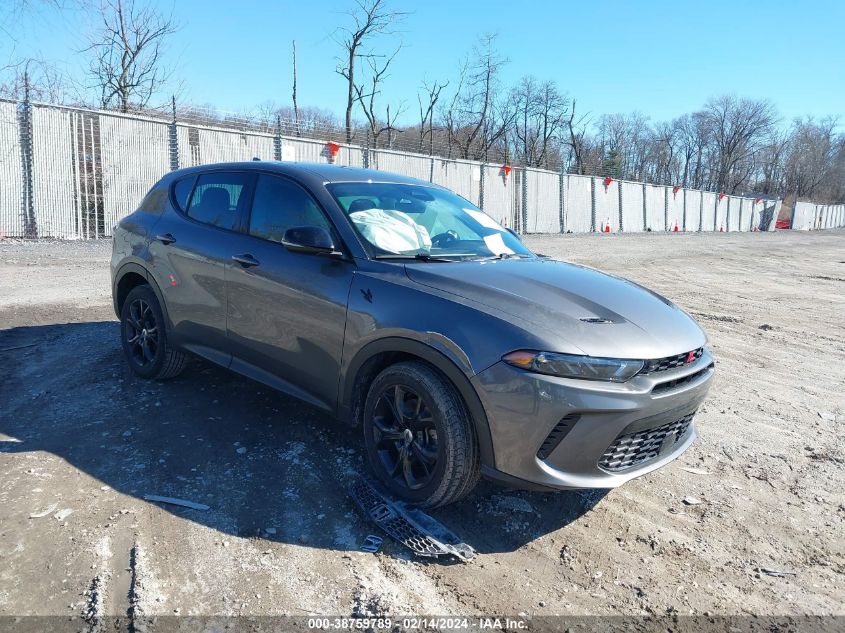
x,y
419,437
144,337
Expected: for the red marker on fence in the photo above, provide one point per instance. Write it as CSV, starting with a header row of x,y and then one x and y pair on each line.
x,y
332,148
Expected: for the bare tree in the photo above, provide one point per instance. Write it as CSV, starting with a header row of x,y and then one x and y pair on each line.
x,y
41,80
811,157
365,95
739,128
126,65
692,138
540,119
295,103
578,142
370,18
432,96
476,119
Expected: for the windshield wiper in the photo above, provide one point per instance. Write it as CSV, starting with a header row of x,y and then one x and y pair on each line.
x,y
502,256
420,257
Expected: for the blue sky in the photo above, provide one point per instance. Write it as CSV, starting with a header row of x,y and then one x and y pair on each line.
x,y
661,58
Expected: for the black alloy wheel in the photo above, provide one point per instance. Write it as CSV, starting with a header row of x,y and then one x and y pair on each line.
x,y
143,335
420,440
405,436
141,332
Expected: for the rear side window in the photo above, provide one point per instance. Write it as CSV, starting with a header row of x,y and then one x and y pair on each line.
x,y
279,205
155,200
181,191
219,199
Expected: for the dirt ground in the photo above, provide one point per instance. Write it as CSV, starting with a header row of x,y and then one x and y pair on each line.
x,y
82,441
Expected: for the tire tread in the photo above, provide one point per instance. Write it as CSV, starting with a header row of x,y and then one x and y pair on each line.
x,y
173,360
463,468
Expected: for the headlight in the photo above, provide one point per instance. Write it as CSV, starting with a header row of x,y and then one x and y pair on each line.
x,y
570,366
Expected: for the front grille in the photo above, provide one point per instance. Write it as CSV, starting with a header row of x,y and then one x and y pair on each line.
x,y
670,362
633,449
680,382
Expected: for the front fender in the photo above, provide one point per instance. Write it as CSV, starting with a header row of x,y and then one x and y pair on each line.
x,y
435,357
388,312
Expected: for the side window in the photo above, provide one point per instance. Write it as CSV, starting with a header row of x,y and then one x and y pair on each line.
x,y
219,198
155,201
181,191
279,205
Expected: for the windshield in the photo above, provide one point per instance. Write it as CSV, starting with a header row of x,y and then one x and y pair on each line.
x,y
415,221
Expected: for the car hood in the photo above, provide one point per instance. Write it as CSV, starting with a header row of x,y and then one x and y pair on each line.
x,y
559,300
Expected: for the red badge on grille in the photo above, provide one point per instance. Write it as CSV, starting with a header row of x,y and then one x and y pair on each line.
x,y
690,357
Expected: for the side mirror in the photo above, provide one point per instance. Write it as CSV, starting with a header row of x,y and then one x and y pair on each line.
x,y
309,239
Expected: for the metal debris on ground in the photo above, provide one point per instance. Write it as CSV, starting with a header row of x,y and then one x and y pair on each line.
x,y
778,573
44,513
412,527
177,502
695,471
371,544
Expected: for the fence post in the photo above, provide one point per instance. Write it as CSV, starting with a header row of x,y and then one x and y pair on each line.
x,y
366,158
481,177
619,188
562,202
666,209
684,211
525,200
277,139
728,217
593,204
30,226
645,209
700,211
716,214
174,138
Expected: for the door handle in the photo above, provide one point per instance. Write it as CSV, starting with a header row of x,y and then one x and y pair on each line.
x,y
246,260
167,238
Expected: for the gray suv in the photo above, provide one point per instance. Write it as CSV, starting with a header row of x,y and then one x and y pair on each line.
x,y
398,306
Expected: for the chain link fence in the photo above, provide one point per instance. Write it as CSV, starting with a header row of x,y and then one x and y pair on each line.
x,y
74,173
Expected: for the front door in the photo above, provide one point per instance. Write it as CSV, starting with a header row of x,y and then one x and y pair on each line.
x,y
286,311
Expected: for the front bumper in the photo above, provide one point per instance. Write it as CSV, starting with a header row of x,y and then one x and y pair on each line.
x,y
564,433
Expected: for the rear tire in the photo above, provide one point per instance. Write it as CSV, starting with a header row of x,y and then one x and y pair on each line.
x,y
144,337
419,437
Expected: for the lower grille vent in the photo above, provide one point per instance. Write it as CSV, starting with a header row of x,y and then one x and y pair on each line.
x,y
633,449
556,436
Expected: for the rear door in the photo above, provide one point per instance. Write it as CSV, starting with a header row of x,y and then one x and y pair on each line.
x,y
190,250
286,310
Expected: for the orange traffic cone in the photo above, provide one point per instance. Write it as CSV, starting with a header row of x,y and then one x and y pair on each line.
x,y
721,229
675,230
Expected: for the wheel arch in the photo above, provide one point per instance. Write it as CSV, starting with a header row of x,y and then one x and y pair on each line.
x,y
377,355
129,276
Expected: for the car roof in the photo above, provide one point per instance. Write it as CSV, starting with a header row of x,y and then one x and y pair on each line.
x,y
322,171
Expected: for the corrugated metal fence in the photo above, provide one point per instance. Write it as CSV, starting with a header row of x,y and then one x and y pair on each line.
x,y
808,216
74,173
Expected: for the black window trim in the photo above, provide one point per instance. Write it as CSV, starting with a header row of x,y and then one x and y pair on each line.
x,y
332,228
243,225
173,200
249,186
